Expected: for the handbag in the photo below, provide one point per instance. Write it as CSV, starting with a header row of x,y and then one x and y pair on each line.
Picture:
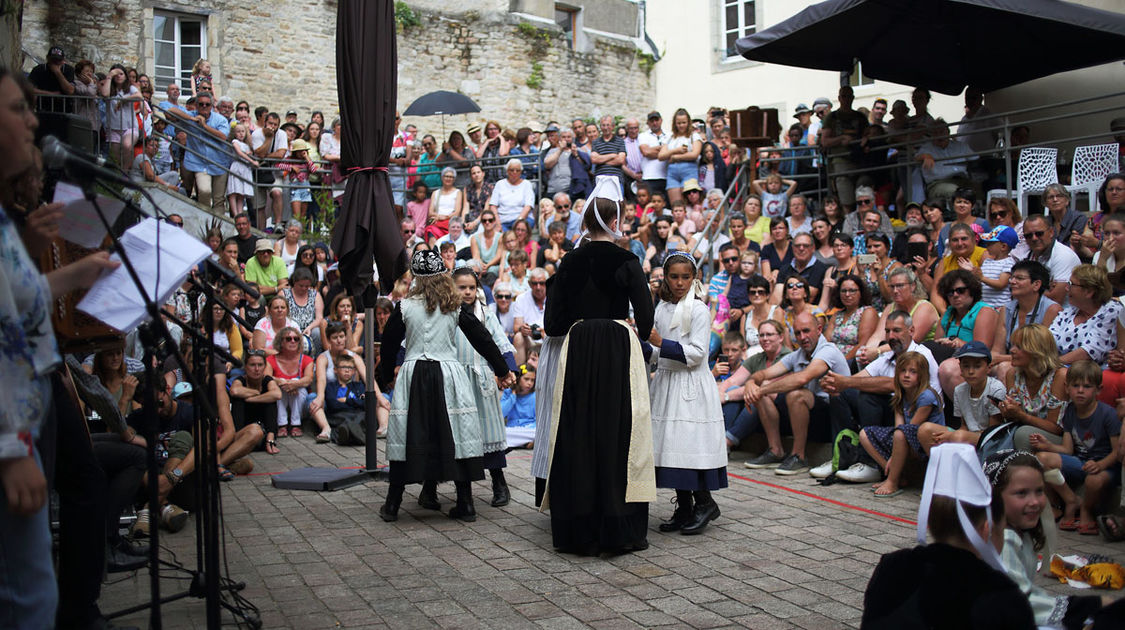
x,y
996,439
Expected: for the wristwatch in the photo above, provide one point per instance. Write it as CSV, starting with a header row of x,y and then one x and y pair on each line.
x,y
175,476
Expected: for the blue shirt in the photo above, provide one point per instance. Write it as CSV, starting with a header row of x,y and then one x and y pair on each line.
x,y
211,159
519,411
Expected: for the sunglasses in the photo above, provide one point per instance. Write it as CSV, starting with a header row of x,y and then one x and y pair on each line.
x,y
488,221
998,215
864,202
537,283
502,296
958,291
408,231
289,338
564,205
731,259
202,104
1034,235
757,292
795,285
848,291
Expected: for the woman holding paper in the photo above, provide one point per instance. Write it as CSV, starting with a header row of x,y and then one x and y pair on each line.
x,y
28,591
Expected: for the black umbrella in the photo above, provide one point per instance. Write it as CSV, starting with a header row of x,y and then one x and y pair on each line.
x,y
943,45
441,102
366,80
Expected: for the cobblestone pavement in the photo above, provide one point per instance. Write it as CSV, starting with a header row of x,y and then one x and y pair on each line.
x,y
786,553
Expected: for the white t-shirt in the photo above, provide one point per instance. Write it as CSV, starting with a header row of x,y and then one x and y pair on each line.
x,y
510,200
653,168
461,243
975,412
1062,262
280,140
675,142
525,307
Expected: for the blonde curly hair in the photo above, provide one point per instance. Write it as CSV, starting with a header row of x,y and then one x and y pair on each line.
x,y
438,292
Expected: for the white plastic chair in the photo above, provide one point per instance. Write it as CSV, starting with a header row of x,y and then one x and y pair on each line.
x,y
1091,165
1038,168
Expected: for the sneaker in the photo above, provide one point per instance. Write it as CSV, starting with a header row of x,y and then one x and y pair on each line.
x,y
140,527
765,460
792,465
173,518
822,471
860,473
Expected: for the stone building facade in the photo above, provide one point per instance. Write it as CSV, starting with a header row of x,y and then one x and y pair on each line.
x,y
520,60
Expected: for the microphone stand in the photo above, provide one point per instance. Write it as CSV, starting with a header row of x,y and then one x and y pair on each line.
x,y
153,333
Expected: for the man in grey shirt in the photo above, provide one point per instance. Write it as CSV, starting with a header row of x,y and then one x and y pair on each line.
x,y
557,159
796,378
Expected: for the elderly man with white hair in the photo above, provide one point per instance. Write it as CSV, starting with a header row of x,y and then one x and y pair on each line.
x,y
527,315
565,213
512,197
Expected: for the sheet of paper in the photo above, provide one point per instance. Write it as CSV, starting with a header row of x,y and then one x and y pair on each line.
x,y
80,223
150,245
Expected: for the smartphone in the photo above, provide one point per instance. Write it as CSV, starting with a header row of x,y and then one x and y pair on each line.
x,y
996,401
866,259
917,250
722,358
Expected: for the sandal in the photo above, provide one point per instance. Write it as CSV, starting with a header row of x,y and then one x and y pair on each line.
x,y
283,432
296,432
225,474
1069,524
271,447
1088,529
323,437
1111,528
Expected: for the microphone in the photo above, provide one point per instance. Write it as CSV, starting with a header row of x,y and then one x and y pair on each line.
x,y
230,277
58,155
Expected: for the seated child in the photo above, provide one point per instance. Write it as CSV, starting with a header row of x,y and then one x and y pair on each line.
x,y
345,407
1088,453
518,406
974,401
914,403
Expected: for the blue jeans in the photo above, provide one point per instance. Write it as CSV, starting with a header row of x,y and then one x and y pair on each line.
x,y
28,592
740,422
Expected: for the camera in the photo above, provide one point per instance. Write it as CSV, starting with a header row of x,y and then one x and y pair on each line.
x,y
536,332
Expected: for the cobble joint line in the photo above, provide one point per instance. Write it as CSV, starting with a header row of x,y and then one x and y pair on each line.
x,y
786,553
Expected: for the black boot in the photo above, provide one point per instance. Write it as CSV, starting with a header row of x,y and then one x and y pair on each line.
x,y
683,514
706,510
464,509
500,494
389,511
427,498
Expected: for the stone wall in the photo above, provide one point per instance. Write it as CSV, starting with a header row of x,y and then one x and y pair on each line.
x,y
282,54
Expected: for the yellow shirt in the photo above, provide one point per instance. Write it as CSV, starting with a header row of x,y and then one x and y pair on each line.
x,y
759,230
949,263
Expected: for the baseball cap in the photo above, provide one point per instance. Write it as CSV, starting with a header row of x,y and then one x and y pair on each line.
x,y
291,112
1002,234
181,389
263,245
551,127
654,114
821,102
801,109
974,348
56,51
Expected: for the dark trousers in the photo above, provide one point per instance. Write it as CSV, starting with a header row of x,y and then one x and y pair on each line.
x,y
81,486
658,186
124,466
264,414
853,409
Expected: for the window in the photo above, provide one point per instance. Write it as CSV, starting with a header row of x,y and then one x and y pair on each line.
x,y
857,78
179,41
739,20
565,17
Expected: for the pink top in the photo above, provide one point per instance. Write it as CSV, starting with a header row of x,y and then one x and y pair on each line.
x,y
420,212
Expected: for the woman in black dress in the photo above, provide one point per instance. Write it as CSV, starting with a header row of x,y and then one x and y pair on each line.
x,y
600,477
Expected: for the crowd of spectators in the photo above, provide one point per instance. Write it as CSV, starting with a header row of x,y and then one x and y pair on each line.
x,y
826,318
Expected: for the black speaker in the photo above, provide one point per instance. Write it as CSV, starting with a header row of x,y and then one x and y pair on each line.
x,y
72,129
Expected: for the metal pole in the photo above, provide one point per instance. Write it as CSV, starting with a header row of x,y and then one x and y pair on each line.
x,y
1008,156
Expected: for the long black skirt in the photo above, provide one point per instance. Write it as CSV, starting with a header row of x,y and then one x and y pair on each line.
x,y
430,450
588,470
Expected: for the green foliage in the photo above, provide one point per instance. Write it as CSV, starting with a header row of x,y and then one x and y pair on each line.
x,y
645,62
405,16
539,38
535,79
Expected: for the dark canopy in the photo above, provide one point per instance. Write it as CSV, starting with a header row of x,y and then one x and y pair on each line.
x,y
943,45
366,80
441,102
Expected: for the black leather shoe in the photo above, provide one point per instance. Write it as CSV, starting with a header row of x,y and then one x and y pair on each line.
x,y
682,516
463,512
427,498
117,561
500,494
703,514
132,548
389,512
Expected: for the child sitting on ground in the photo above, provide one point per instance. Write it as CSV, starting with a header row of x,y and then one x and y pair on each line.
x,y
518,407
974,401
344,407
1088,453
914,403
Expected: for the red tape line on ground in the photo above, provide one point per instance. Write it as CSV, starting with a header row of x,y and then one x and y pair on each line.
x,y
832,501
